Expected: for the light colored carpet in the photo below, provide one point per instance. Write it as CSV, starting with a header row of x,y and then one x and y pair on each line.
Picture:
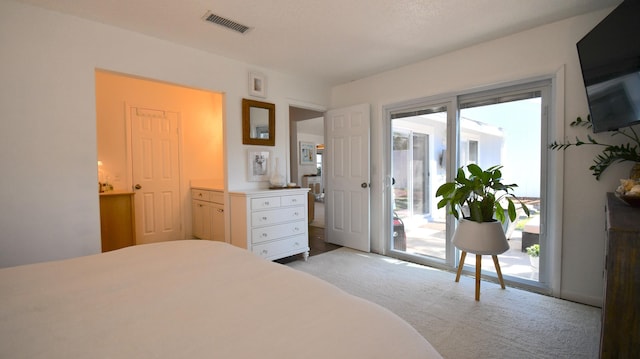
x,y
508,323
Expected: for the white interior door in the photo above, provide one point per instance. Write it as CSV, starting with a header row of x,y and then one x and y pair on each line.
x,y
155,174
347,195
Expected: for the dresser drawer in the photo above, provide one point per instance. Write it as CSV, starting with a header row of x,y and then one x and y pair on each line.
x,y
293,200
278,231
200,194
265,203
216,197
275,216
276,249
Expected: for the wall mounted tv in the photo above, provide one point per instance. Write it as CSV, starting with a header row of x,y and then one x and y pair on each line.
x,y
610,62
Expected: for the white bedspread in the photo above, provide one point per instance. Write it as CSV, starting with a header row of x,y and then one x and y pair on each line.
x,y
190,299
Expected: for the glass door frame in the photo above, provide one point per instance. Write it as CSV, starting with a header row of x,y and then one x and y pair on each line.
x,y
551,186
451,256
411,136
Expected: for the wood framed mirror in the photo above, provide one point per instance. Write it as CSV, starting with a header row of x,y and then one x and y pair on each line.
x,y
258,123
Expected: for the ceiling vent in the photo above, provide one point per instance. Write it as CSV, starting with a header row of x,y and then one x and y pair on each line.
x,y
229,24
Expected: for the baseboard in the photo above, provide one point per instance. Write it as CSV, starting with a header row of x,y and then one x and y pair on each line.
x,y
581,298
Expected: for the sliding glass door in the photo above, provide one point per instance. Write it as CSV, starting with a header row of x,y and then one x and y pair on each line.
x,y
418,168
502,126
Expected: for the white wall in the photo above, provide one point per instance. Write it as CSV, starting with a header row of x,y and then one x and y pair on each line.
x,y
48,190
538,52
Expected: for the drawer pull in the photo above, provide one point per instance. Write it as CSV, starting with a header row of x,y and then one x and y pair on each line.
x,y
264,251
220,210
294,200
264,218
264,235
296,214
199,194
266,203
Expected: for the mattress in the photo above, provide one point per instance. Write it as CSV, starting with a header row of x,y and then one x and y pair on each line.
x,y
190,299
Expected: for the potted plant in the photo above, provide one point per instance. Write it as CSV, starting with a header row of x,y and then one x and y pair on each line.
x,y
479,197
610,153
534,255
477,201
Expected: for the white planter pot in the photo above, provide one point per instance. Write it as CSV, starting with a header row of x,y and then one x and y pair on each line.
x,y
535,261
480,238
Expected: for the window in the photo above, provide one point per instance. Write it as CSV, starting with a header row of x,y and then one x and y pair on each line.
x,y
468,151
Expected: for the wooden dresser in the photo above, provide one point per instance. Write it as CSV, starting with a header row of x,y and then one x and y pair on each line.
x,y
620,336
314,183
117,223
270,223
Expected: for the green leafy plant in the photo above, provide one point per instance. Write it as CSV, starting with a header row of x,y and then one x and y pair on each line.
x,y
482,193
534,250
611,153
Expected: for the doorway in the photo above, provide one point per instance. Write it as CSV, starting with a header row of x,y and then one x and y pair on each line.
x,y
307,126
201,155
345,174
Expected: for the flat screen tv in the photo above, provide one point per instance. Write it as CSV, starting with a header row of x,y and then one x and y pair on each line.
x,y
610,63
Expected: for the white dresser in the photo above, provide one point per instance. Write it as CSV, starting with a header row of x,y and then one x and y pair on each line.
x,y
207,210
270,223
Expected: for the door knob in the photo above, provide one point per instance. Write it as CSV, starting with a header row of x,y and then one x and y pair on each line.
x,y
364,185
137,186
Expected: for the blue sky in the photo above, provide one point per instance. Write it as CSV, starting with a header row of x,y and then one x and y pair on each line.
x,y
520,121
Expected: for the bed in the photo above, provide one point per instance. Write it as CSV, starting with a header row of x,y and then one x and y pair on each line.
x,y
190,299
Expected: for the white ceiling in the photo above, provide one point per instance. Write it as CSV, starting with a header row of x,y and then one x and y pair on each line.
x,y
334,41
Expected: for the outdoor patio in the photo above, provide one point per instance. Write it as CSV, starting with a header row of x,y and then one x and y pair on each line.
x,y
428,239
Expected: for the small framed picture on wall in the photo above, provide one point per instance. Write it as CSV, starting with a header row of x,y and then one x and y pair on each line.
x,y
257,84
307,153
258,165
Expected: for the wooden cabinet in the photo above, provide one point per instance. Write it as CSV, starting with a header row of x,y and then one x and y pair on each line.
x,y
117,223
620,336
207,211
271,223
313,183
